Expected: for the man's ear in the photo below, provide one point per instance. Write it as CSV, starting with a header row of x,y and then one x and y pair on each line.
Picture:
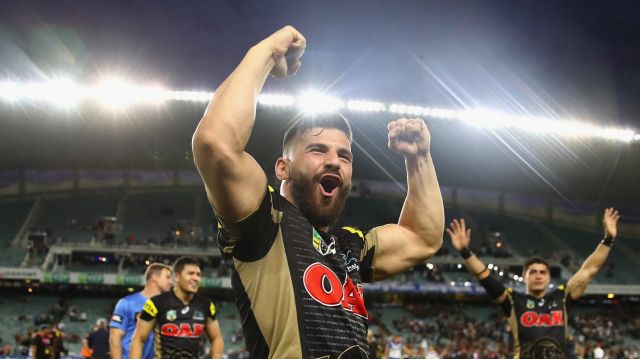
x,y
282,169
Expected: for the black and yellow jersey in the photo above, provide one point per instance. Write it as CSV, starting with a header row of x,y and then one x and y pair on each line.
x,y
299,290
178,326
538,325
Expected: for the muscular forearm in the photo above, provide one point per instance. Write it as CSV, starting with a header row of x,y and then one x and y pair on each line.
x,y
136,348
596,260
216,348
230,115
476,267
115,349
423,211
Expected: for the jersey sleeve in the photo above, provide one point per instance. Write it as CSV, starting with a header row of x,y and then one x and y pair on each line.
x,y
566,295
251,238
120,315
211,313
367,242
149,310
508,303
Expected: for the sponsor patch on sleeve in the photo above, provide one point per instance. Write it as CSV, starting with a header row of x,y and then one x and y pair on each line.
x,y
116,318
150,308
212,309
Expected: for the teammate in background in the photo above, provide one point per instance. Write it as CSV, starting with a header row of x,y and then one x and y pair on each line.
x,y
296,278
180,317
538,319
125,314
41,345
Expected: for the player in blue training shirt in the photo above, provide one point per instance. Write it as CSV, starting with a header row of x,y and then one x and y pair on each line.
x,y
125,315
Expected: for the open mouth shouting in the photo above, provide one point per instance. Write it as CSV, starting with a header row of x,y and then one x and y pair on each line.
x,y
329,185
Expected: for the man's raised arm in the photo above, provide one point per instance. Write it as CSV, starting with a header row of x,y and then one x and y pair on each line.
x,y
418,234
579,282
234,181
460,239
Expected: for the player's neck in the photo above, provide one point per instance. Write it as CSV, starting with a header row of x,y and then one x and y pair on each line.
x,y
537,294
182,295
150,291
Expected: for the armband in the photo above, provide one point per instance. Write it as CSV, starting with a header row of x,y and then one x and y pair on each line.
x,y
493,286
607,241
466,253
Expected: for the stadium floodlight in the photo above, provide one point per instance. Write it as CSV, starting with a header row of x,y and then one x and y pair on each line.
x,y
10,91
459,266
189,96
365,106
490,266
567,128
501,273
551,285
117,93
429,266
312,102
452,283
467,284
61,92
409,110
515,277
610,296
276,100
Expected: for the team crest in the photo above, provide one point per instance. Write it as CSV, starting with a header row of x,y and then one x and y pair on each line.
x,y
172,315
530,304
321,246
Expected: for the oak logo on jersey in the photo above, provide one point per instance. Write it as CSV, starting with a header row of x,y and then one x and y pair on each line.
x,y
321,246
182,330
533,319
324,286
172,315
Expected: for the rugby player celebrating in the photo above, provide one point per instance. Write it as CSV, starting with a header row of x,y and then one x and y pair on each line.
x,y
538,318
296,278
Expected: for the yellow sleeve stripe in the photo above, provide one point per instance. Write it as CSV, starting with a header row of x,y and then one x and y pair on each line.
x,y
271,189
212,309
355,231
150,308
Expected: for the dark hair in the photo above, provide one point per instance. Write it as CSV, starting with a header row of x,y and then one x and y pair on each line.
x,y
323,120
535,260
155,268
181,262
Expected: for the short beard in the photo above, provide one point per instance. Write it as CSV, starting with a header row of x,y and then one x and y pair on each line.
x,y
304,190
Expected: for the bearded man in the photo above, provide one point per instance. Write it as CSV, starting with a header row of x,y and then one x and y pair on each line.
x,y
296,278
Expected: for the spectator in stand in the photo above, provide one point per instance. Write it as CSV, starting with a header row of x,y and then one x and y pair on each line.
x,y
98,341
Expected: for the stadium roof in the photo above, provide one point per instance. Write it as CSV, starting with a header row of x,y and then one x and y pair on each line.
x,y
555,59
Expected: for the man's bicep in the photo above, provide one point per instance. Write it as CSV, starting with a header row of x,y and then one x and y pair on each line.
x,y
578,284
116,334
398,249
143,329
213,329
234,188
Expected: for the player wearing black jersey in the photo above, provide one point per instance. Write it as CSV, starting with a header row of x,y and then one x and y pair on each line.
x,y
179,318
538,319
296,279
